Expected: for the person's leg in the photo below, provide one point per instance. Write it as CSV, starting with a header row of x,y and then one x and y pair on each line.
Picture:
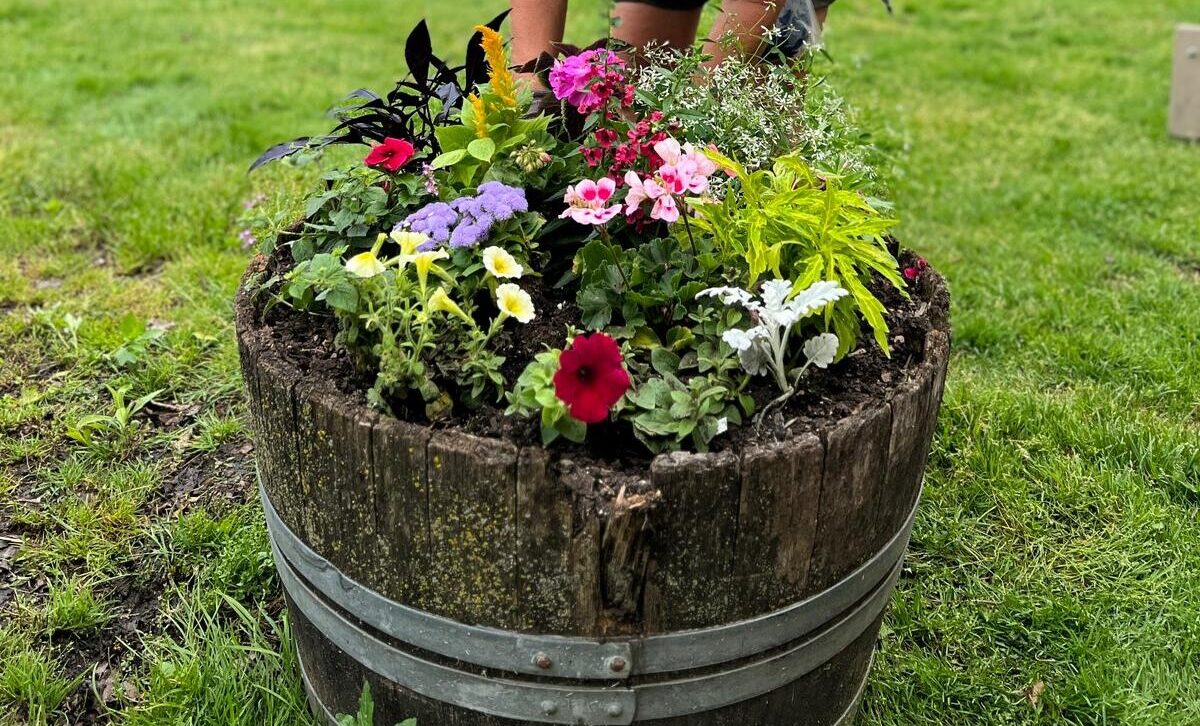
x,y
670,22
744,20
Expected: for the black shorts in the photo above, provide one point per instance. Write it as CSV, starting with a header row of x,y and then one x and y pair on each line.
x,y
697,4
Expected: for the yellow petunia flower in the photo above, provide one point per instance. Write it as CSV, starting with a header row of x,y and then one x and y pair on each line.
x,y
364,264
514,303
501,264
499,75
409,241
440,302
423,262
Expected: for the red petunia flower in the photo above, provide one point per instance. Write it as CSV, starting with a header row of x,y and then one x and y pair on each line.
x,y
390,155
591,377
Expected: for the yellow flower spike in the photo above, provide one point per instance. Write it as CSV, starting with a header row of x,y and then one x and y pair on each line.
x,y
514,303
409,242
364,264
501,264
481,126
423,261
499,75
440,302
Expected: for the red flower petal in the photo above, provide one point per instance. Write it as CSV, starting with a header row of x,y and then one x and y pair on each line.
x,y
591,377
392,154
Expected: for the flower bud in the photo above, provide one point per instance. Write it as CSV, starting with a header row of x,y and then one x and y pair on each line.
x,y
531,158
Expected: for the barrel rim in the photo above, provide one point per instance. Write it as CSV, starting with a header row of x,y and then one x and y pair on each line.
x,y
253,333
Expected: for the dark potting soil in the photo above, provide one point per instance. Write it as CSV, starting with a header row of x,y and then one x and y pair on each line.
x,y
863,378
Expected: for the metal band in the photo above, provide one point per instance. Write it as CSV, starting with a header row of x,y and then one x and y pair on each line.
x,y
330,719
570,704
582,658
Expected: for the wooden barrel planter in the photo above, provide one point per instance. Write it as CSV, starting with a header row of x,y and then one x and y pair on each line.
x,y
475,583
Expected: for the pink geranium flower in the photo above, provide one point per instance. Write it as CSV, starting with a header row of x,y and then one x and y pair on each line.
x,y
642,190
685,168
587,202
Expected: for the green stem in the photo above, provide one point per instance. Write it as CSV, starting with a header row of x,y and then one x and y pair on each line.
x,y
608,245
687,226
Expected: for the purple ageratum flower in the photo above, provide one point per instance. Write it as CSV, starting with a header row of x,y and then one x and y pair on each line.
x,y
501,201
469,233
466,221
432,220
494,202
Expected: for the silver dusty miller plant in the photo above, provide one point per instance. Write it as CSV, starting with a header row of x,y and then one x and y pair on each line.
x,y
763,348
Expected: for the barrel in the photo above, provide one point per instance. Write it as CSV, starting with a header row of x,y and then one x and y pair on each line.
x,y
472,582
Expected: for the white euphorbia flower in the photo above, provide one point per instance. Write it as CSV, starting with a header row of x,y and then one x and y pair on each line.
x,y
763,347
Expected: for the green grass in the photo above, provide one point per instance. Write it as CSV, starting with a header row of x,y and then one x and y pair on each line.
x,y
1054,575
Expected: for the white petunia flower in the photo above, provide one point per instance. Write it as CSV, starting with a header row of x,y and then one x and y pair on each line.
x,y
514,302
821,349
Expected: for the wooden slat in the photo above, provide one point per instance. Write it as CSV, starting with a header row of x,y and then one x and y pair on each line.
x,y
399,463
1185,84
780,493
856,452
691,579
343,499
276,448
472,518
557,589
909,443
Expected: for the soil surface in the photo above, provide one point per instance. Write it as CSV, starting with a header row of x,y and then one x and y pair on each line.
x,y
863,378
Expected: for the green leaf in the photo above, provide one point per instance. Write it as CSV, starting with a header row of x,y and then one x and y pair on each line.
x,y
342,296
449,158
664,360
482,149
680,337
572,428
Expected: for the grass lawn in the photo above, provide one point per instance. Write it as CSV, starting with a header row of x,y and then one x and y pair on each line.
x,y
1054,575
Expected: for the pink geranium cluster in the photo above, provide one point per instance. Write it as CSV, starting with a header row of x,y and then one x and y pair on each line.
x,y
678,171
684,170
588,80
621,155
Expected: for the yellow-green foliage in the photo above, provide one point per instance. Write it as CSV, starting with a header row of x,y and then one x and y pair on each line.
x,y
797,225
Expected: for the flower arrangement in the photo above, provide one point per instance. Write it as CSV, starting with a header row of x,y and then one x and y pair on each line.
x,y
679,271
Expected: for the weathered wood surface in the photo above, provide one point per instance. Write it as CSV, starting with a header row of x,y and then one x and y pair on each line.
x,y
487,533
777,518
690,583
1185,84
